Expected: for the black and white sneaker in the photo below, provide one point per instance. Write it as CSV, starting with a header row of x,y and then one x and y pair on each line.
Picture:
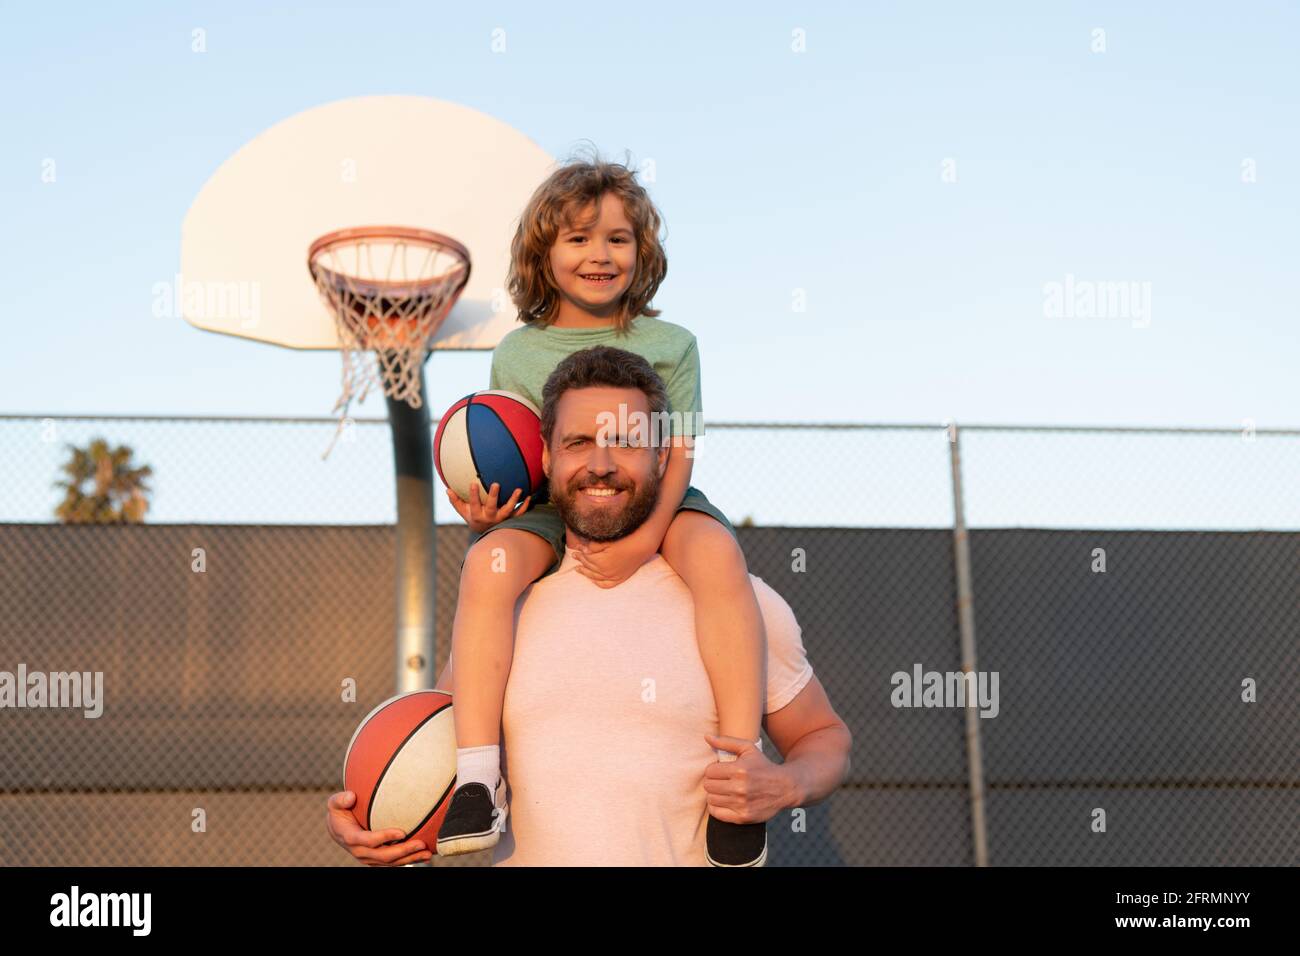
x,y
736,844
474,821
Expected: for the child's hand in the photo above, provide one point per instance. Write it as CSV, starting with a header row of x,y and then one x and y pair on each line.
x,y
482,515
610,563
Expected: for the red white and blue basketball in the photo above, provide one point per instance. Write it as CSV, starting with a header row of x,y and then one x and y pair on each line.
x,y
491,436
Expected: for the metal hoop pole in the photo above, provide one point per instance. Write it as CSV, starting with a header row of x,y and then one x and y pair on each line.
x,y
966,628
413,460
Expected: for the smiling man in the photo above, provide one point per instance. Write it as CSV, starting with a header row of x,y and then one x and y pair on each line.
x,y
609,717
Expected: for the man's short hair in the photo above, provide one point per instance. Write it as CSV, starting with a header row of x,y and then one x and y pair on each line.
x,y
602,365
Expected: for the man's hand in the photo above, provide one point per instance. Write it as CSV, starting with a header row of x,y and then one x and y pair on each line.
x,y
481,515
749,789
368,845
610,563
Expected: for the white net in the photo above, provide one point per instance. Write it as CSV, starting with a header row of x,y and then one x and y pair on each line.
x,y
389,289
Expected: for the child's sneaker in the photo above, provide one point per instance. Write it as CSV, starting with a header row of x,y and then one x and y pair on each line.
x,y
735,844
474,821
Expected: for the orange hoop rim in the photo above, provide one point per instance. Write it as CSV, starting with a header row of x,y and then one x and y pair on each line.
x,y
425,237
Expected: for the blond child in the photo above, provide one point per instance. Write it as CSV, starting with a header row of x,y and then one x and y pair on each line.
x,y
586,261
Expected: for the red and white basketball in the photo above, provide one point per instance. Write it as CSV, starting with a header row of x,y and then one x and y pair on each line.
x,y
401,764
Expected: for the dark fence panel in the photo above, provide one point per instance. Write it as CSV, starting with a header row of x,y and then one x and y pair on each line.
x,y
1119,690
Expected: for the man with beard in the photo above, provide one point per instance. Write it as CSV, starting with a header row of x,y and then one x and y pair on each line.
x,y
608,723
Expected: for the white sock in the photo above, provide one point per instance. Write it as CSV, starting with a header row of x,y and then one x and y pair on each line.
x,y
726,756
479,765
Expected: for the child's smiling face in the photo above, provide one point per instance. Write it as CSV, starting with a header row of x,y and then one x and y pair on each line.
x,y
594,264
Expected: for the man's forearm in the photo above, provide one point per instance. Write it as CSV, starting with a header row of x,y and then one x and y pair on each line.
x,y
817,765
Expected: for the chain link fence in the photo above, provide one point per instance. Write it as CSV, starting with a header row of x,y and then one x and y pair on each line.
x,y
1136,592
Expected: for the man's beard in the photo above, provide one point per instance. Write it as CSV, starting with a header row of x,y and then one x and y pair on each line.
x,y
603,523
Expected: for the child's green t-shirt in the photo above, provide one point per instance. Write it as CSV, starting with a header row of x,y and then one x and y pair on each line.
x,y
526,357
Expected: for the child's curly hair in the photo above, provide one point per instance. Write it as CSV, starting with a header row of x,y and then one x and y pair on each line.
x,y
554,205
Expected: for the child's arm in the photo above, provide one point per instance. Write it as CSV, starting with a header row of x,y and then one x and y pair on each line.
x,y
616,561
649,538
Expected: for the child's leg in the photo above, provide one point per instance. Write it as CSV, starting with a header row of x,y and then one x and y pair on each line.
x,y
483,634
728,621
482,646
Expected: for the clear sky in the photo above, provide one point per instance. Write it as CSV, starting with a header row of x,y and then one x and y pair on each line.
x,y
826,169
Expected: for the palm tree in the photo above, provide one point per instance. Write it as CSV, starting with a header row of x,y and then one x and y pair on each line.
x,y
118,490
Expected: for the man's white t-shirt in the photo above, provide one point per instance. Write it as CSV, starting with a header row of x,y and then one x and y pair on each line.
x,y
605,714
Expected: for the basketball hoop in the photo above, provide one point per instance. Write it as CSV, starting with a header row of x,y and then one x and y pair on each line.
x,y
389,289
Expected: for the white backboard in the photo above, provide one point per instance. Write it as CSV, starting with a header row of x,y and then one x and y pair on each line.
x,y
367,161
